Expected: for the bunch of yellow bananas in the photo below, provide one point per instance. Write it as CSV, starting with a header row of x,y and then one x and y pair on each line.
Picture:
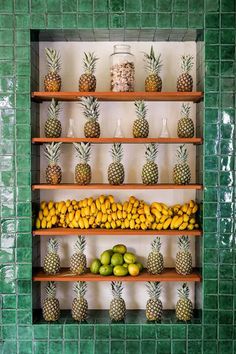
x,y
104,212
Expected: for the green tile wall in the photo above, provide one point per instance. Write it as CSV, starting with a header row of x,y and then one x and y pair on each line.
x,y
216,332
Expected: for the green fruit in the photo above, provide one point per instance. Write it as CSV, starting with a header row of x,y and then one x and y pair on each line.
x,y
140,266
129,258
106,270
117,259
133,269
120,271
120,249
110,251
96,264
125,265
105,257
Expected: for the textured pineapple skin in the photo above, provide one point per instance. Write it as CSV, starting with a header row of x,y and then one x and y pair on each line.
x,y
185,83
52,128
185,128
51,263
79,309
78,263
155,263
117,309
182,174
183,263
116,173
92,129
153,83
154,310
87,83
53,174
150,173
52,82
140,128
184,310
83,173
51,310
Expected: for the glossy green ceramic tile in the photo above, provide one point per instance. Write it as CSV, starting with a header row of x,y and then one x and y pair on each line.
x,y
86,347
69,21
179,347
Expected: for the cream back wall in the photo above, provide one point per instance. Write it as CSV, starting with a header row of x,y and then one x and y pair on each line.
x,y
99,295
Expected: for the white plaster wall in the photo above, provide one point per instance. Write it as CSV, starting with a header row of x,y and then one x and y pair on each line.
x,y
99,295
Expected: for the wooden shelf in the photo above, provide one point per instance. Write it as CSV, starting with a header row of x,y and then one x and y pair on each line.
x,y
168,275
119,96
60,231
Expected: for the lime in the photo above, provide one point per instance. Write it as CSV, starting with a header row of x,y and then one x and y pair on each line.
x,y
120,271
95,265
140,266
105,270
125,265
120,248
133,269
129,258
105,258
117,259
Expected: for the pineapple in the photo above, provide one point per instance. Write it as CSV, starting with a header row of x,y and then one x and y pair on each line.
x,y
87,81
141,126
150,169
78,260
116,172
154,306
183,262
181,172
52,81
51,306
117,306
185,80
79,308
91,112
155,261
52,260
53,171
184,306
83,169
153,82
52,126
185,128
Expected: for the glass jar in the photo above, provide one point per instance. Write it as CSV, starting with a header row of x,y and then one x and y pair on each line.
x,y
122,69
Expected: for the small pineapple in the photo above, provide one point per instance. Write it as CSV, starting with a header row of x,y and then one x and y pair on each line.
x,y
183,262
78,260
83,170
140,126
150,169
53,171
52,126
87,81
79,308
185,80
184,306
52,260
51,306
185,128
154,306
52,81
181,172
91,111
116,171
155,261
117,310
153,82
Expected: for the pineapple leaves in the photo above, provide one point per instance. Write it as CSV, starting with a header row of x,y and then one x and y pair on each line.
x,y
89,62
185,110
153,63
54,109
52,152
154,289
182,154
151,152
90,107
140,109
53,59
186,63
83,150
80,288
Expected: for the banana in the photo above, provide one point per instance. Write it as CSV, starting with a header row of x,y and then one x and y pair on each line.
x,y
52,211
132,224
91,220
64,209
50,204
129,208
154,225
114,216
163,218
167,223
118,223
44,224
125,206
180,212
70,208
86,223
132,199
48,218
107,204
191,203
90,201
49,225
192,221
172,225
134,211
99,217
98,204
40,215
43,205
156,212
60,205
159,226
184,207
138,221
109,218
104,218
81,223
124,214
150,218
119,214
143,226
190,227
142,218
165,212
189,211
137,226
102,198
170,212
71,215
45,211
114,207
178,222
164,206
77,215
107,225
126,223
146,209
183,226
195,209
157,206
135,216
113,224
93,208
68,203
111,198
75,223
196,226
103,208
82,212
185,217
119,206
54,220
136,204
38,223
140,211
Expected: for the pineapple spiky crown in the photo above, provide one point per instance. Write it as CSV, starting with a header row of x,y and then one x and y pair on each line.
x,y
117,152
53,59
185,110
140,109
154,289
186,63
153,63
183,292
51,290
80,244
89,62
90,107
83,151
184,243
80,288
52,245
116,289
181,154
151,152
53,110
52,152
156,244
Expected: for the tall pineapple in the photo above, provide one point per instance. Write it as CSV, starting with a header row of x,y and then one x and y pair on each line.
x,y
79,308
52,260
53,171
51,306
78,260
52,81
52,126
155,261
184,306
91,111
183,261
83,170
150,169
181,172
154,306
185,127
185,80
140,126
87,81
117,306
116,171
153,82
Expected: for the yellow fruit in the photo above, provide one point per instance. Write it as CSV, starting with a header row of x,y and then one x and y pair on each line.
x,y
40,215
137,227
52,211
150,218
129,216
60,205
190,227
113,224
43,204
77,215
67,219
107,204
87,211
159,226
104,218
93,208
167,223
196,226
86,223
156,212
91,220
111,198
177,206
132,224
71,215
135,216
189,211
136,204
140,211
185,217
50,205
142,218
126,223
124,214
184,208
119,206
195,209
122,225
178,222
70,208
175,209
156,206
191,203
148,224
81,223
118,223
154,225
172,225
114,207
163,218
80,204
49,225
107,225
90,200
43,224
82,211
125,206
119,214
38,223
68,203
138,221
64,209
114,216
129,208
132,199
170,212
103,208
192,221
146,209
165,212
98,205
102,198
45,211
71,226
180,212
54,220
183,226
99,217
109,218
143,226
48,218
